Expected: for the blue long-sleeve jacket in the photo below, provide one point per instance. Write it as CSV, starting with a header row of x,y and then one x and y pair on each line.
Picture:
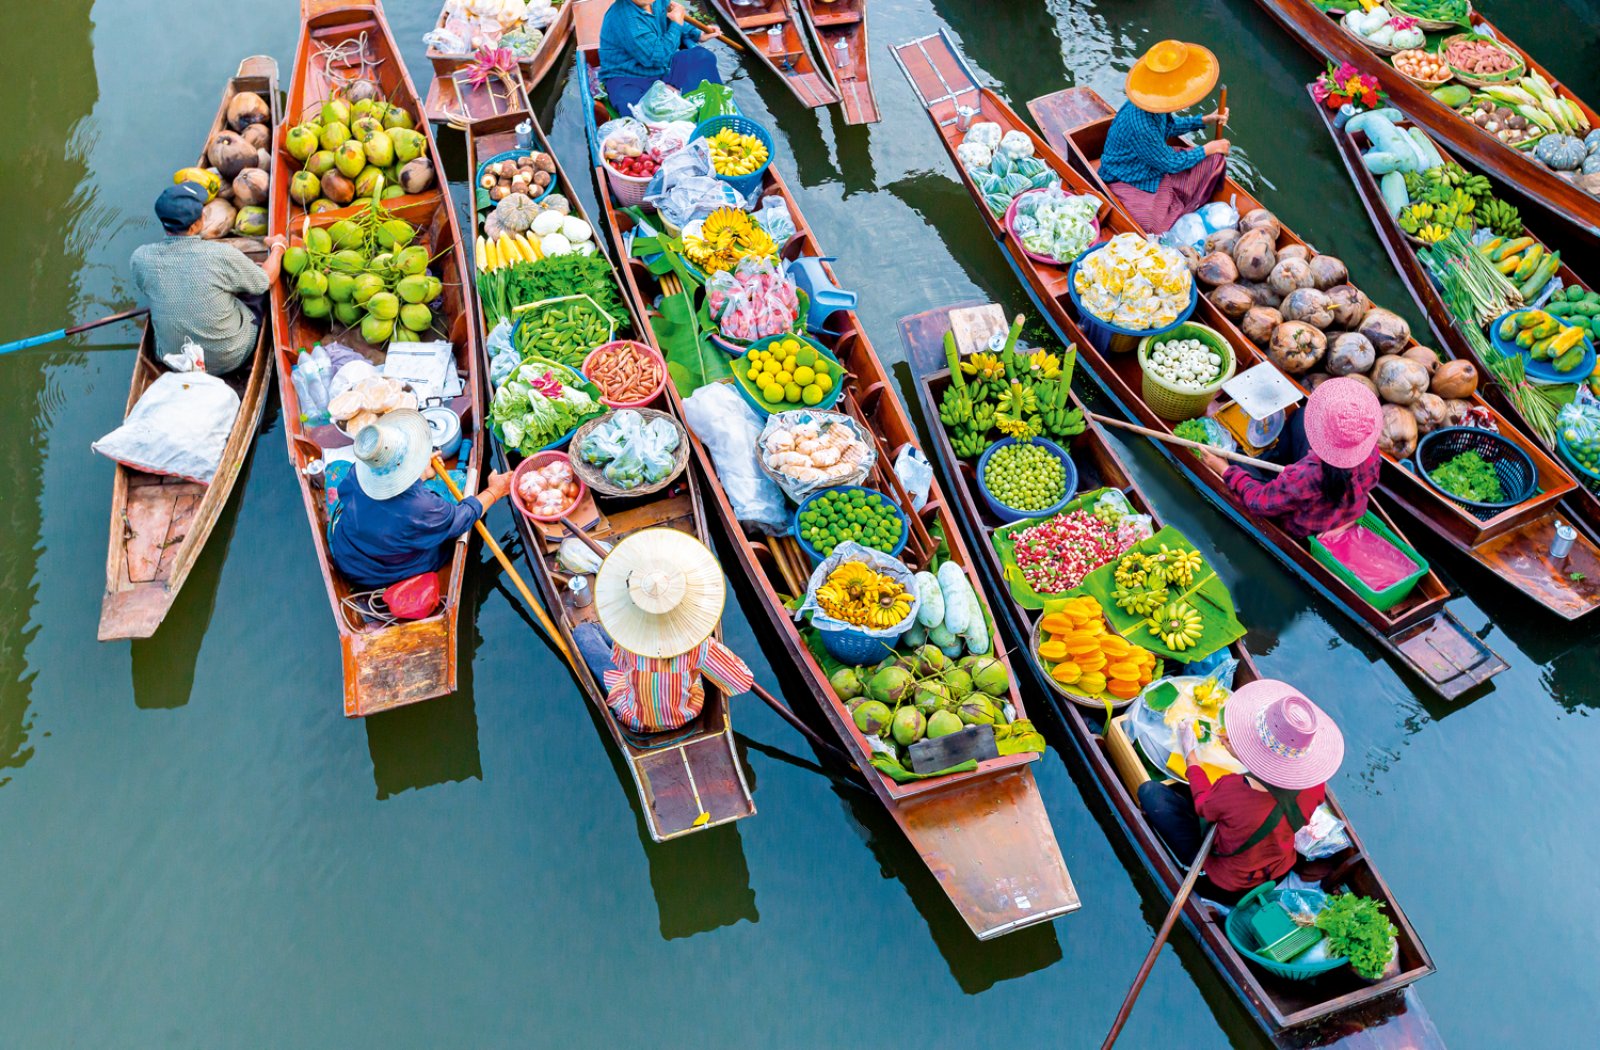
x,y
1136,149
379,542
635,42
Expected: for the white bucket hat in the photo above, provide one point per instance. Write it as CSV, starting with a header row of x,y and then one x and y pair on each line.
x,y
393,453
659,593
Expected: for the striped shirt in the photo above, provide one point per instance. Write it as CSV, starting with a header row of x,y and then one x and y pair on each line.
x,y
192,287
1136,150
650,694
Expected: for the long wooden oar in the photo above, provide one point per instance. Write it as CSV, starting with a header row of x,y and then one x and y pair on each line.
x,y
767,698
505,563
1222,107
724,37
1161,937
62,333
1173,439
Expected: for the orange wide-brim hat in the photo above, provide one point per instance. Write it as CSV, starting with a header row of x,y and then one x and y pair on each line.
x,y
1172,76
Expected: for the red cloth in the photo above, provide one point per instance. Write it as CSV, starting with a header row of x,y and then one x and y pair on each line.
x,y
1178,194
1238,810
1294,498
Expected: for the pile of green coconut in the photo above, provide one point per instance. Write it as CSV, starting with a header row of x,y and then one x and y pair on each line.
x,y
358,146
924,694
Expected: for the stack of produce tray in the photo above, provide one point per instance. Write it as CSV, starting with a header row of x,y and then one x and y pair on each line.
x,y
346,54
160,524
1418,630
1286,1009
1532,164
691,779
450,88
980,825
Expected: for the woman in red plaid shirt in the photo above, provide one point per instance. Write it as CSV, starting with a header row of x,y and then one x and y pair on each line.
x,y
1331,448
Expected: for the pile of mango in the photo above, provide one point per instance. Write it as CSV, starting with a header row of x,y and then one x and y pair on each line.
x,y
1545,338
1087,658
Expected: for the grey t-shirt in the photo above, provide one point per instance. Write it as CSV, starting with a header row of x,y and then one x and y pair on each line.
x,y
192,287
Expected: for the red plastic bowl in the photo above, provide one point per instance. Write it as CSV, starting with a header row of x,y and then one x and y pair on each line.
x,y
638,347
1011,230
534,462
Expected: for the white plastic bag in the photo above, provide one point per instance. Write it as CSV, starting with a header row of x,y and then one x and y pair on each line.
x,y
1189,231
190,358
663,103
914,472
985,132
179,426
1321,836
1218,215
729,429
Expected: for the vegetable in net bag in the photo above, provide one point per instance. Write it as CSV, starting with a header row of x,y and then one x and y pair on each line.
x,y
974,155
1059,225
985,133
1578,431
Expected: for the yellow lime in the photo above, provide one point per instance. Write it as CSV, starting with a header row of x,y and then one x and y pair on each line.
x,y
772,392
771,367
804,375
805,357
812,395
791,392
785,377
823,382
790,345
789,363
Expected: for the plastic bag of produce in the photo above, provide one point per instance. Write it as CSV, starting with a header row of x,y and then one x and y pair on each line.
x,y
671,137
1578,432
914,472
806,451
752,301
1219,215
1016,145
624,132
985,132
662,104
974,155
1060,225
1321,836
179,426
729,429
685,188
773,216
1189,231
875,560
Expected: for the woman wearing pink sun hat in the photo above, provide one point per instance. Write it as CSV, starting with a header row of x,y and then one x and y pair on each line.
x,y
1330,448
1291,748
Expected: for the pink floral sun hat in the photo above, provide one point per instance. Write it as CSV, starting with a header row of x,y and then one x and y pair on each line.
x,y
1280,736
1343,422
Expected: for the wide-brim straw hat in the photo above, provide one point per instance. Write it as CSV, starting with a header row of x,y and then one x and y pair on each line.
x,y
1343,422
659,593
1171,76
1280,736
393,453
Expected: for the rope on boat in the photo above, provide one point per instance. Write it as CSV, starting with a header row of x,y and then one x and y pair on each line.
x,y
352,51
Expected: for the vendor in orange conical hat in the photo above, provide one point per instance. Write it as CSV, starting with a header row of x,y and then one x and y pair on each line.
x,y
1155,180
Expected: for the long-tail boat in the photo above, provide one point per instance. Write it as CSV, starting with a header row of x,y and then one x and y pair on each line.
x,y
1513,544
773,35
389,665
534,67
1319,31
159,523
839,28
1286,1010
985,833
688,780
1585,501
1419,631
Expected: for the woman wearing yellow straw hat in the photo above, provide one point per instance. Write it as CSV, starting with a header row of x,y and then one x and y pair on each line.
x,y
1155,181
659,594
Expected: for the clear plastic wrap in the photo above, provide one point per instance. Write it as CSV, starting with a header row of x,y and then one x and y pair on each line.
x,y
730,430
806,450
876,560
753,300
1578,432
985,133
1056,224
662,104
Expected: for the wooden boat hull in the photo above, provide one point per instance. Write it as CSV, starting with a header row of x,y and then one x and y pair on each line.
x,y
1321,34
1419,631
1584,501
1278,1005
159,525
1512,545
695,782
534,67
384,667
984,834
839,30
791,60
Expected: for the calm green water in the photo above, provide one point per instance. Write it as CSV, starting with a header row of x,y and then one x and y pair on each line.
x,y
201,851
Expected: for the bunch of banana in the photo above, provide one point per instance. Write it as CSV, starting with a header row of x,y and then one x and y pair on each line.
x,y
1058,417
1042,364
984,370
955,407
1140,601
1181,565
857,594
1502,219
969,444
1131,570
1177,624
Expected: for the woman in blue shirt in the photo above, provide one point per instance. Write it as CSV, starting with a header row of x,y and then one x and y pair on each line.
x,y
643,41
389,526
1155,181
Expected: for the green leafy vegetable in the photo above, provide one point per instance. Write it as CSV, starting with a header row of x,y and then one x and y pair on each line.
x,y
539,403
557,275
1469,476
1357,929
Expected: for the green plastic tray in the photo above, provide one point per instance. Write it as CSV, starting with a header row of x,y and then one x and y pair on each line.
x,y
1390,596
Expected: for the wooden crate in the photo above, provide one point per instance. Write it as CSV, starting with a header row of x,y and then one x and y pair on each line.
x,y
1124,756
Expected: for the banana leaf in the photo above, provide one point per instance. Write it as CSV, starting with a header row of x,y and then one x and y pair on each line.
x,y
692,361
1005,544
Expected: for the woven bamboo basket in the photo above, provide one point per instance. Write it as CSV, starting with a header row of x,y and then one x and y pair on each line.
x,y
595,477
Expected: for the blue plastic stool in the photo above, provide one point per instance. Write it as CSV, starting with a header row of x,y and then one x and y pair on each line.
x,y
825,297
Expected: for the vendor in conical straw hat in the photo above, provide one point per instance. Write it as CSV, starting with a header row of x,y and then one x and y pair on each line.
x,y
1156,181
1290,748
659,594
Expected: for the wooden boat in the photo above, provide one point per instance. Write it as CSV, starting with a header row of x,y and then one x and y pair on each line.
x,y
1319,32
839,28
1418,631
984,834
1584,501
160,524
534,67
1513,544
692,779
410,661
1279,1006
786,53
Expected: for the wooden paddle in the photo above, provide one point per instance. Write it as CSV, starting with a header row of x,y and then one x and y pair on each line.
x,y
1222,107
1178,902
724,37
62,333
1173,439
767,698
505,563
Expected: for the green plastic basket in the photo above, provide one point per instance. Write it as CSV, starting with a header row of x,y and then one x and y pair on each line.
x,y
1389,596
1242,936
1169,402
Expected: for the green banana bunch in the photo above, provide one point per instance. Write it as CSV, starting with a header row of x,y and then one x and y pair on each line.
x,y
1140,601
969,445
1502,219
955,407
